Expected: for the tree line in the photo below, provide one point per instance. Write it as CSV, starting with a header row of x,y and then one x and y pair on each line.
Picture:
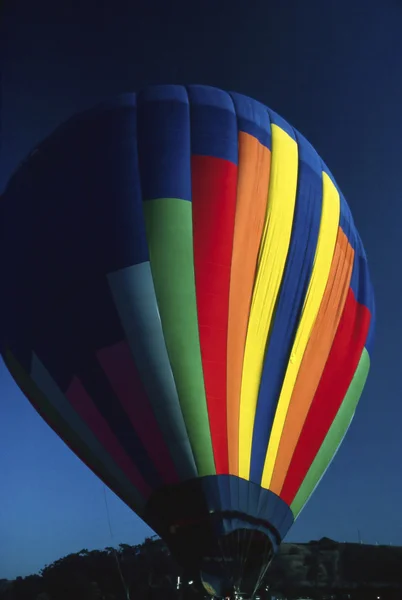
x,y
147,571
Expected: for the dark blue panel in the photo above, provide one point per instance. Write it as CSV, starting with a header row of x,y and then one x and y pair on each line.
x,y
370,303
252,118
277,120
230,525
164,143
67,342
235,496
346,222
360,281
371,332
285,520
249,499
75,208
299,265
363,290
308,155
358,261
224,491
213,123
213,493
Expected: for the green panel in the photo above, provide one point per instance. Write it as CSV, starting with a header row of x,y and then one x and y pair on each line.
x,y
335,434
48,412
170,242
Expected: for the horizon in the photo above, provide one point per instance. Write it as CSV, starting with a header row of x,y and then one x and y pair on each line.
x,y
284,543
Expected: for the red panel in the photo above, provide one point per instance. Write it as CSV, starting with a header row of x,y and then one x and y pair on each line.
x,y
121,370
85,407
338,373
61,428
214,183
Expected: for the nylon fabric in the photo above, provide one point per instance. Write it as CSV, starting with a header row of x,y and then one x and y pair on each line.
x,y
315,356
335,435
68,425
214,206
170,241
82,403
292,294
271,263
319,277
252,195
120,369
339,370
134,297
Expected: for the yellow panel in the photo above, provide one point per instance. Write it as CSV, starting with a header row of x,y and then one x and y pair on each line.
x,y
271,263
319,277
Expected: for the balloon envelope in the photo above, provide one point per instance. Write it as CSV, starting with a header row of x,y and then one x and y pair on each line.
x,y
186,301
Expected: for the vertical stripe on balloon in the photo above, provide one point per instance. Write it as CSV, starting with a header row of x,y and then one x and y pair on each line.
x,y
214,160
299,266
254,148
319,277
170,239
252,196
165,171
335,435
214,204
134,297
338,373
315,356
271,264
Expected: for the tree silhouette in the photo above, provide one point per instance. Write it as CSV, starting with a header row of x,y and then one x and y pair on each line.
x,y
147,571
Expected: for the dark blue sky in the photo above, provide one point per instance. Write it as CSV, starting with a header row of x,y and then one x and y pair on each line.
x,y
333,69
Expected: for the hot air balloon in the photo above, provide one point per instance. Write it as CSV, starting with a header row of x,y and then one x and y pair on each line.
x,y
186,301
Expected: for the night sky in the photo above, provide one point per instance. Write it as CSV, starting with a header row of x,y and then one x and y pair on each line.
x,y
333,69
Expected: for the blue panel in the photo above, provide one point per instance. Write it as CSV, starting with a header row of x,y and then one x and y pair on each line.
x,y
164,144
363,290
346,222
67,204
308,155
212,492
277,120
235,496
224,491
284,519
239,495
356,272
252,118
371,332
370,303
299,264
213,124
206,95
